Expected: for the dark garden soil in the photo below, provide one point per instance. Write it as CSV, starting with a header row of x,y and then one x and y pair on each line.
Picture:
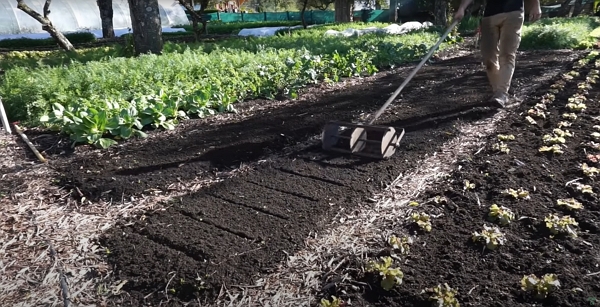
x,y
492,278
232,231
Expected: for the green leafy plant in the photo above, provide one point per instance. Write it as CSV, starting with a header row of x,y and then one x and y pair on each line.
x,y
444,296
570,203
504,138
468,185
555,149
563,225
402,244
563,124
589,171
520,193
540,287
491,236
335,302
501,147
583,188
502,215
569,116
422,220
551,139
390,277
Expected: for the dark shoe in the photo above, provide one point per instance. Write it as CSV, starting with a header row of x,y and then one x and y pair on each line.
x,y
499,99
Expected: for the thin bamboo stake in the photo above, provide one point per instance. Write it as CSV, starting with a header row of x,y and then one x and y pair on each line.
x,y
26,140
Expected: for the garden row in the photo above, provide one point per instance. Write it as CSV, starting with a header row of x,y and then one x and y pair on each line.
x,y
102,101
518,223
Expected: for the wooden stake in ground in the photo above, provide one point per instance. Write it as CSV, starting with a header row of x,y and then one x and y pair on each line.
x,y
26,140
47,25
4,119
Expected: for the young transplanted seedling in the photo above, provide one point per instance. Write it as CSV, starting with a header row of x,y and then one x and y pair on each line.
x,y
570,203
563,124
468,185
423,220
501,147
552,139
335,302
583,188
491,236
444,296
564,225
501,214
555,149
570,116
540,287
589,171
390,276
519,193
504,137
401,244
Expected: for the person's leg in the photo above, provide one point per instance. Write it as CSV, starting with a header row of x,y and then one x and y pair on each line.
x,y
488,44
510,39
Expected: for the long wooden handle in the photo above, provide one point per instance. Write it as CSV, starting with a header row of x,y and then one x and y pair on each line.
x,y
26,140
414,71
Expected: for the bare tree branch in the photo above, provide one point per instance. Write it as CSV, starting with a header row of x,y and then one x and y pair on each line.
x,y
47,25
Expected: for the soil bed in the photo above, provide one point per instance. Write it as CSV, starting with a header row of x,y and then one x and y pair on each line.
x,y
229,233
493,278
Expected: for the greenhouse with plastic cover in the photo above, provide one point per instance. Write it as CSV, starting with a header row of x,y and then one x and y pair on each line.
x,y
78,16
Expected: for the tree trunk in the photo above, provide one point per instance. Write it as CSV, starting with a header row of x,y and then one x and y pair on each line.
x,y
393,11
106,15
441,13
146,26
47,25
343,10
578,7
304,4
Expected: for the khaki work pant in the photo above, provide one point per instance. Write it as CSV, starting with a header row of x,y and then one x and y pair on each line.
x,y
500,39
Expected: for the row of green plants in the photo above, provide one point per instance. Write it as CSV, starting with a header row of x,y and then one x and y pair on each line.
x,y
103,101
492,237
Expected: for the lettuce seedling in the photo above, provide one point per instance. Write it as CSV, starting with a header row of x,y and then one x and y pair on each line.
x,y
567,77
583,188
540,287
422,220
564,123
571,116
553,149
593,158
504,138
519,193
595,135
547,98
444,296
570,203
576,106
573,73
553,139
589,171
401,244
596,127
501,147
562,133
501,214
335,302
390,276
440,199
537,113
583,86
530,120
558,225
468,185
491,236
